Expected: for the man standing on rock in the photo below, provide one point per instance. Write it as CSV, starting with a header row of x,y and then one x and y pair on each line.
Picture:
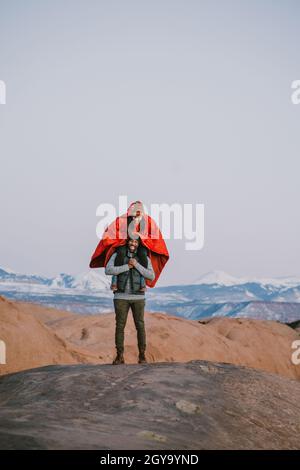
x,y
128,269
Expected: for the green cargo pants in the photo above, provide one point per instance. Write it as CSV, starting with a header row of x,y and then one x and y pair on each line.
x,y
121,309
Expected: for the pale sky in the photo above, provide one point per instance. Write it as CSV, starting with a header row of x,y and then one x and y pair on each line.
x,y
163,101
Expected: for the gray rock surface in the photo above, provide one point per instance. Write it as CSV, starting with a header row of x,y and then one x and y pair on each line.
x,y
193,405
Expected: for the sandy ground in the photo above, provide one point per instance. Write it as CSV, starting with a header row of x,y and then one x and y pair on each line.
x,y
36,336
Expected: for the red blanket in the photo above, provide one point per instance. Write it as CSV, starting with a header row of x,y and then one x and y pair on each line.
x,y
116,235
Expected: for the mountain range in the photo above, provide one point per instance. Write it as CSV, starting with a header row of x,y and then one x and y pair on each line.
x,y
213,294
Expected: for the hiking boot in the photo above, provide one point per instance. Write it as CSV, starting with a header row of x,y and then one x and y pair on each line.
x,y
119,359
142,358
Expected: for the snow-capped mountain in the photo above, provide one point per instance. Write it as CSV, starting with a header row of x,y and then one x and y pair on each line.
x,y
222,278
214,294
7,275
86,292
89,281
218,277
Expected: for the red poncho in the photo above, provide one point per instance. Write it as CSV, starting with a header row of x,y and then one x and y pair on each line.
x,y
116,235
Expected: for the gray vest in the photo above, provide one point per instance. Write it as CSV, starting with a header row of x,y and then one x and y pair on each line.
x,y
133,275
